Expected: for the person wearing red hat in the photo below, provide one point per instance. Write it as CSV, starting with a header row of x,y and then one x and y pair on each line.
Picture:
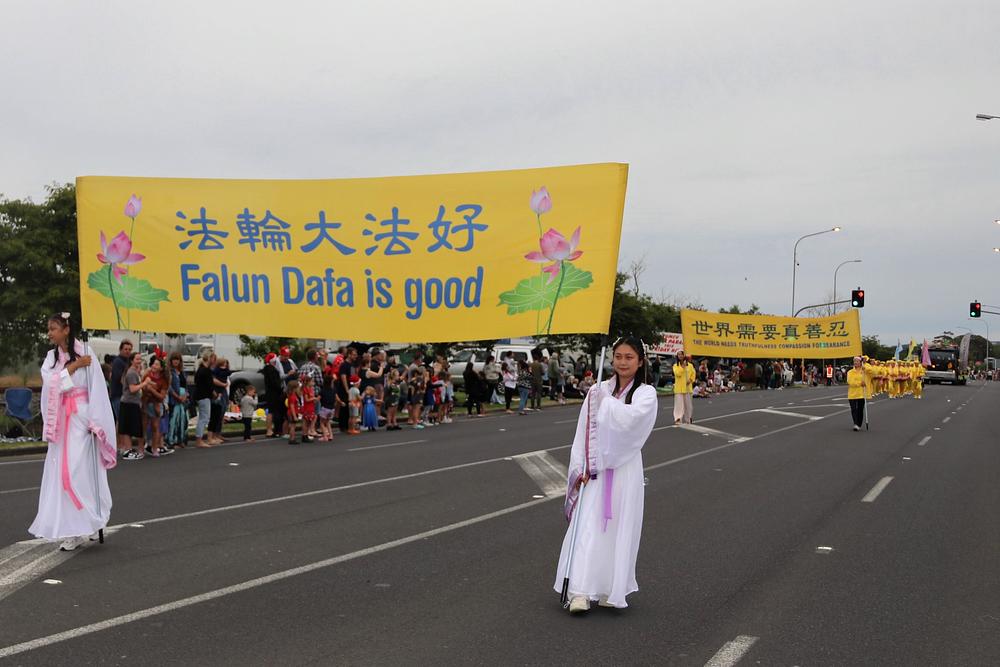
x,y
285,365
354,399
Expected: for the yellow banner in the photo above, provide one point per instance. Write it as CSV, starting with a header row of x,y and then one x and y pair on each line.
x,y
769,337
418,258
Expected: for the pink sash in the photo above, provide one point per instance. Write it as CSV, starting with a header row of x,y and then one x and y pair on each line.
x,y
70,408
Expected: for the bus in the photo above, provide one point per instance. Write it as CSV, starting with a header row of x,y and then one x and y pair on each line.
x,y
945,367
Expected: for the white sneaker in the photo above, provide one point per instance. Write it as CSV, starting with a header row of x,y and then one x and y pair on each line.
x,y
579,604
72,543
603,602
857,428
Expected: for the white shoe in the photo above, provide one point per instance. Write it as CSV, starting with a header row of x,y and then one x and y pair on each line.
x,y
603,602
857,428
96,536
72,543
579,604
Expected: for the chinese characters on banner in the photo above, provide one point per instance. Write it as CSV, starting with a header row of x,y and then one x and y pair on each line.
x,y
417,258
769,337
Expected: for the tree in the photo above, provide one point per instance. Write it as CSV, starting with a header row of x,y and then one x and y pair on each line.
x,y
39,271
872,347
735,310
630,314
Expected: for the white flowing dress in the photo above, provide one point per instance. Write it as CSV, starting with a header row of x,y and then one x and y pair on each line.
x,y
604,560
74,499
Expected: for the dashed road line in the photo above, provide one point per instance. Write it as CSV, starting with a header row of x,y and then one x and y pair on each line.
x,y
877,489
732,651
946,420
697,428
27,488
391,444
783,413
924,441
549,474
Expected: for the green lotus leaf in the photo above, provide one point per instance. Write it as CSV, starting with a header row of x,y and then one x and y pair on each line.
x,y
537,293
133,292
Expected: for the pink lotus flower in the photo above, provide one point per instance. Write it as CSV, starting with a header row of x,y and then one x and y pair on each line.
x,y
133,206
118,254
556,249
541,202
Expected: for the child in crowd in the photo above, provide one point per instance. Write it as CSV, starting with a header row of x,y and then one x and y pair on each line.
x,y
293,407
369,409
248,406
587,382
309,401
699,390
448,394
391,400
416,397
327,404
354,401
432,400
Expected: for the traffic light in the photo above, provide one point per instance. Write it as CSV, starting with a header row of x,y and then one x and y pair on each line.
x,y
858,298
975,309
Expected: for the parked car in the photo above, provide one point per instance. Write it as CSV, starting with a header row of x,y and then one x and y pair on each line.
x,y
240,380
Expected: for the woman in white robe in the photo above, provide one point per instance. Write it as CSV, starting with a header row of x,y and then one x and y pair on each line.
x,y
615,421
74,501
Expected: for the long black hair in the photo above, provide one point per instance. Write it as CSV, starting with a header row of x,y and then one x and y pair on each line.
x,y
63,320
642,373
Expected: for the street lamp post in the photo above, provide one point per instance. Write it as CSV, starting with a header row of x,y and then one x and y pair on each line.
x,y
795,260
849,261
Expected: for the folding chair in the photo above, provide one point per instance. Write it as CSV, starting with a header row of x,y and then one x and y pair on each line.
x,y
18,402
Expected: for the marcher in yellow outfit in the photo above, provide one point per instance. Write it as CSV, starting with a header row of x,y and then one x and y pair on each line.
x,y
918,380
684,375
890,369
859,381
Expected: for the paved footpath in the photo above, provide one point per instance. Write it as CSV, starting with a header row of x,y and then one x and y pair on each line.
x,y
773,535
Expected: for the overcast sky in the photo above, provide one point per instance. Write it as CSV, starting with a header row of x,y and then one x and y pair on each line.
x,y
746,124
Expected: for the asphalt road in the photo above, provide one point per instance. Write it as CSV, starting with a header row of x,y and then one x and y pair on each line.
x,y
773,535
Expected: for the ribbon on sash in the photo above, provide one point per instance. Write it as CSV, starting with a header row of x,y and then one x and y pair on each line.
x,y
69,408
590,474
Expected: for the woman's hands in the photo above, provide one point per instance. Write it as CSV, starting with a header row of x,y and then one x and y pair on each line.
x,y
78,363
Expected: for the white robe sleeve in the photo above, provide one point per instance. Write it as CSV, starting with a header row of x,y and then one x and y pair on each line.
x,y
102,419
623,429
577,464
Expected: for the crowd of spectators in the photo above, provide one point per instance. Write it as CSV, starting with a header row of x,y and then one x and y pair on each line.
x,y
351,390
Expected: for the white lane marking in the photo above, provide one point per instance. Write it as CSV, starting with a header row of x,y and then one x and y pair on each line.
x,y
924,441
783,413
14,463
697,428
877,489
946,420
566,421
278,576
22,564
732,652
546,472
252,583
317,492
27,488
391,444
826,398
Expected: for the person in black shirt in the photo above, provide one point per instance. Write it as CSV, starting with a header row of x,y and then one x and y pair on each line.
x,y
118,368
344,374
204,389
274,397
